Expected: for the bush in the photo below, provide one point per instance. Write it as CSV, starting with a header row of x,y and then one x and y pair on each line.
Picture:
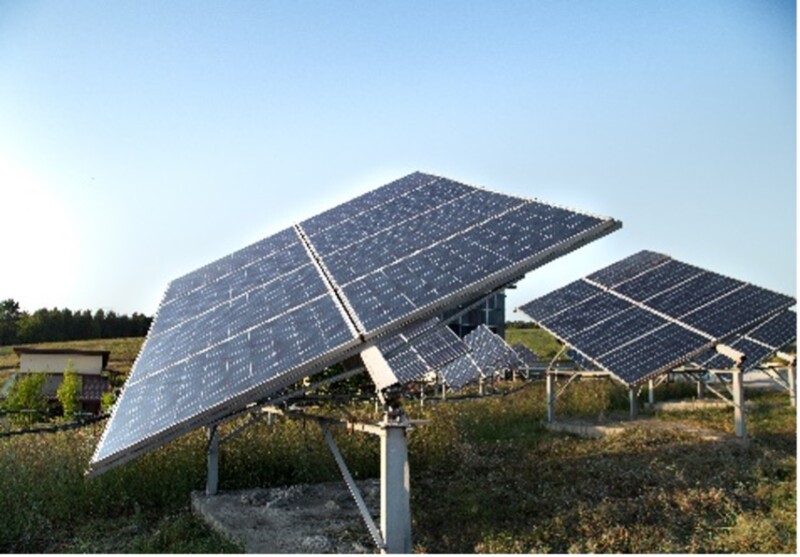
x,y
69,392
107,400
26,395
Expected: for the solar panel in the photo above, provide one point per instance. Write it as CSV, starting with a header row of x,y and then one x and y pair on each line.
x,y
649,313
245,326
529,358
421,348
758,344
488,353
460,372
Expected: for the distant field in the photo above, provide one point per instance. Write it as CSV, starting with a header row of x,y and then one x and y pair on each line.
x,y
486,477
540,341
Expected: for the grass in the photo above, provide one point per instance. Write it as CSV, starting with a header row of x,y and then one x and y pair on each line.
x,y
486,477
540,341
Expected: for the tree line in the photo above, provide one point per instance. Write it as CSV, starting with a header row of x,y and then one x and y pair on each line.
x,y
56,325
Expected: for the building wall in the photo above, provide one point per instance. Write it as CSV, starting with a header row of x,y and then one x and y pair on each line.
x,y
55,363
491,313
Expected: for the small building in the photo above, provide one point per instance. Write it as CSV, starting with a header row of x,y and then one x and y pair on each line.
x,y
90,365
490,312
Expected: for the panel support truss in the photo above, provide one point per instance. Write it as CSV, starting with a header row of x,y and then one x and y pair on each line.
x,y
789,383
553,395
354,491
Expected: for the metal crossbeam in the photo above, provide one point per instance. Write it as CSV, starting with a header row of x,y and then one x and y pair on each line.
x,y
374,532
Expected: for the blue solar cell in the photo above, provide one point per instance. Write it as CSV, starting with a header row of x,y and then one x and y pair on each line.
x,y
460,372
754,352
736,311
657,280
572,321
420,348
403,238
628,268
529,358
398,291
221,267
693,293
490,352
656,352
559,300
243,368
615,331
777,331
412,205
580,360
369,200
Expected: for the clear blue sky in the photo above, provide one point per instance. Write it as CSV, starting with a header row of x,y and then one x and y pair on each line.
x,y
140,140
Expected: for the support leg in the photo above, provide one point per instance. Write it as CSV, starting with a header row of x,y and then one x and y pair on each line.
x,y
700,389
212,480
791,371
634,402
738,401
395,487
551,401
651,392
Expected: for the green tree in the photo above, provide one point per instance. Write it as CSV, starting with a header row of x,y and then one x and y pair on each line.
x,y
26,395
69,391
10,315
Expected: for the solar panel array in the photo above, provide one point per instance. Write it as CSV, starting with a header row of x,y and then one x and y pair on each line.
x,y
759,343
241,328
649,313
528,357
421,348
488,353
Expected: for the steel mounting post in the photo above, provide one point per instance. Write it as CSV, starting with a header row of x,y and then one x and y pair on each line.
x,y
212,461
634,402
738,403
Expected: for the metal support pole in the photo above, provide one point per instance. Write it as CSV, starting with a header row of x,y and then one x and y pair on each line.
x,y
212,479
651,392
551,400
700,389
738,404
791,371
633,401
481,386
395,486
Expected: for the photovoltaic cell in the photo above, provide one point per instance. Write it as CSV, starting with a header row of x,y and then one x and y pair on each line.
x,y
778,331
628,268
490,352
560,299
586,314
663,277
252,323
460,372
421,348
391,279
664,348
616,330
738,310
528,356
580,360
758,344
657,313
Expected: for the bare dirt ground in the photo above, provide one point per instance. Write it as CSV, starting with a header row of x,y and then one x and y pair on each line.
x,y
316,518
